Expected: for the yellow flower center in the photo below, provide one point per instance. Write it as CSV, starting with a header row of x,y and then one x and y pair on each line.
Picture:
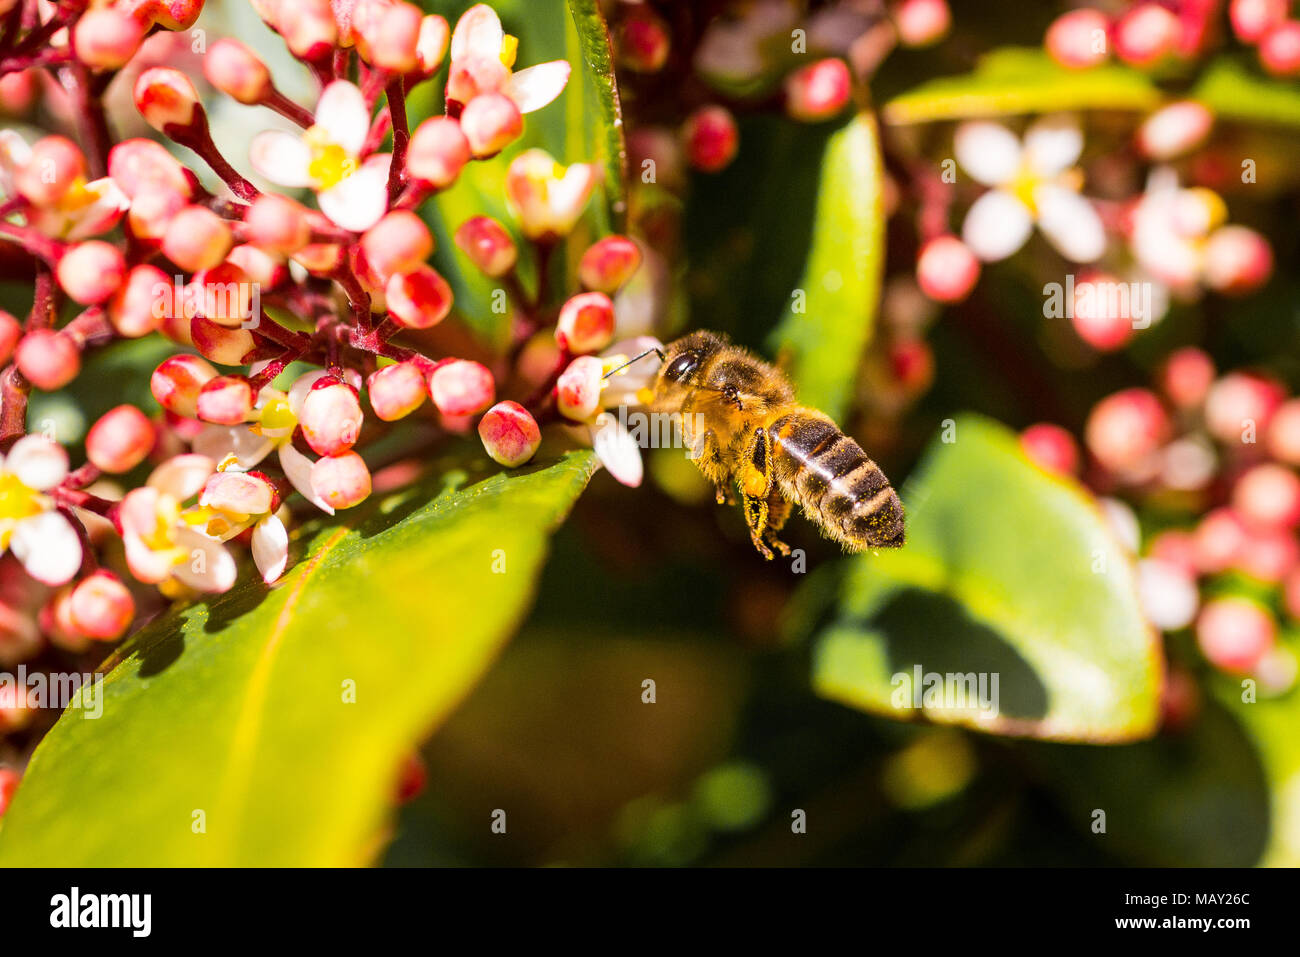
x,y
77,197
16,499
509,50
1023,186
276,415
330,163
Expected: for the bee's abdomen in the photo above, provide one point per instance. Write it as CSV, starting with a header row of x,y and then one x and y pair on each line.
x,y
830,476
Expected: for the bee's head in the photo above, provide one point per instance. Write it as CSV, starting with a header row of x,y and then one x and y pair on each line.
x,y
684,358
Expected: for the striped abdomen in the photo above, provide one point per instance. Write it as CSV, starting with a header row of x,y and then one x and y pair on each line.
x,y
830,476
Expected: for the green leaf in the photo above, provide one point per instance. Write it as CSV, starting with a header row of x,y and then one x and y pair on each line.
x,y
1233,91
236,707
822,335
600,86
1007,572
1016,80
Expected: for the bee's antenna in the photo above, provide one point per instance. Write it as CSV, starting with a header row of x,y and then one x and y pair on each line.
x,y
631,361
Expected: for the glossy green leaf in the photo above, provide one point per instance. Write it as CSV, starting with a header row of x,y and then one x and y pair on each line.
x,y
601,87
1010,573
1017,80
1233,90
239,707
829,318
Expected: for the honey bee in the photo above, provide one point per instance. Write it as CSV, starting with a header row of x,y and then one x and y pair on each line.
x,y
740,418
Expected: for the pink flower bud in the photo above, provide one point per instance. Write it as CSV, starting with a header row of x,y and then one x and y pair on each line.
x,y
197,238
331,417
608,263
1252,19
1145,34
1279,51
1051,447
237,72
432,44
710,138
48,360
141,166
1269,554
418,299
1283,437
277,223
396,391
1218,541
818,91
308,27
261,267
91,272
398,243
911,366
342,480
120,440
101,607
18,91
509,434
173,14
151,213
1167,593
1239,406
491,122
1078,39
461,387
586,323
438,151
1126,429
166,97
488,245
141,302
1186,377
223,294
946,269
921,22
1174,130
225,400
392,38
643,41
577,391
1238,260
1268,496
1102,320
1234,633
106,38
222,345
177,381
1175,547
656,156
11,331
54,166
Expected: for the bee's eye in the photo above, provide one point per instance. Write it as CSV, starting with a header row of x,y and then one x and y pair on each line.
x,y
682,366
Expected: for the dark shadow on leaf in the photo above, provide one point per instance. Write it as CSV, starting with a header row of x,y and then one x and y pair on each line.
x,y
161,654
235,603
933,630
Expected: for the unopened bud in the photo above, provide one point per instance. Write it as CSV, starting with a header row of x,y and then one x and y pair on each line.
x,y
510,434
106,38
342,480
586,323
488,245
120,440
608,263
418,299
196,239
330,417
225,400
48,360
92,271
491,122
237,72
396,391
710,138
166,97
461,387
177,381
438,151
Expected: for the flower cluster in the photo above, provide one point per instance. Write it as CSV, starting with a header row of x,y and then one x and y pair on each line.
x,y
301,300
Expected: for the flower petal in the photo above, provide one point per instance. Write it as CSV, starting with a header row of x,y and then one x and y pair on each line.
x,y
341,112
360,200
478,33
997,224
1053,144
616,449
102,213
270,548
536,86
48,546
297,467
208,567
281,157
182,476
218,441
1070,223
989,152
38,462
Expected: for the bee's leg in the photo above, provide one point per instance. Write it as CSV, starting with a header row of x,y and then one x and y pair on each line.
x,y
709,462
755,480
778,511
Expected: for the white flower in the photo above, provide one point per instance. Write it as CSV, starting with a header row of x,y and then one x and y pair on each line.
x,y
616,448
85,209
39,536
232,501
482,56
1032,182
351,191
1171,226
242,447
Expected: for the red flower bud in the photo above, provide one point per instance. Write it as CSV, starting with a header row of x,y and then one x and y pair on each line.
x,y
48,360
608,263
437,152
177,381
120,440
418,299
461,387
488,245
510,434
586,323
710,138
